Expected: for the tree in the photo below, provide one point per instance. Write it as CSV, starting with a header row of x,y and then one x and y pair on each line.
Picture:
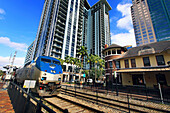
x,y
101,65
96,60
82,52
77,62
67,59
72,61
61,61
89,61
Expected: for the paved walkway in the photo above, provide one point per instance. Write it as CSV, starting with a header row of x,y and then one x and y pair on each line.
x,y
5,102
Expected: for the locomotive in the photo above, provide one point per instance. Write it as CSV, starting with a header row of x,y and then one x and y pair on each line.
x,y
47,72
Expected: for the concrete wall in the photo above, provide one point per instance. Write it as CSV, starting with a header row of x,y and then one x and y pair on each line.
x,y
126,79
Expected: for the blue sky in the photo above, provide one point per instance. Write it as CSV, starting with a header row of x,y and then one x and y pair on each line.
x,y
19,20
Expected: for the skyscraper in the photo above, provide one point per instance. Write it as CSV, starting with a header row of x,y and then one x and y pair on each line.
x,y
151,20
65,25
60,29
29,54
143,27
100,27
160,16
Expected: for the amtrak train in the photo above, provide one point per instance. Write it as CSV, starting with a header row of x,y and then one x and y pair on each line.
x,y
47,72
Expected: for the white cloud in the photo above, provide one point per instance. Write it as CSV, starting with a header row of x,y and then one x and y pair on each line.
x,y
125,22
2,11
112,19
18,46
124,39
19,61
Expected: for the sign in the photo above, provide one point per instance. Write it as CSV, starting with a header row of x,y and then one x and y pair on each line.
x,y
8,77
115,74
29,84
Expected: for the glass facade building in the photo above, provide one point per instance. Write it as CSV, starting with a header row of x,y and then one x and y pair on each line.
x,y
160,16
66,25
151,20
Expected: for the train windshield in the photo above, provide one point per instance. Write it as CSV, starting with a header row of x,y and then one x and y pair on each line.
x,y
45,60
56,62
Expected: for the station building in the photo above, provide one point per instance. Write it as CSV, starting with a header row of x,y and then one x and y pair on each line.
x,y
145,65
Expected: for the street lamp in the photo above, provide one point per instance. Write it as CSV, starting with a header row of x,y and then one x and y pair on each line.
x,y
111,66
115,74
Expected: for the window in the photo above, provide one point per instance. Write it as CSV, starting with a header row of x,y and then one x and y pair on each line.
x,y
45,60
138,79
146,61
161,79
133,63
126,63
118,51
109,52
64,67
106,53
110,64
113,51
117,64
105,65
160,60
56,62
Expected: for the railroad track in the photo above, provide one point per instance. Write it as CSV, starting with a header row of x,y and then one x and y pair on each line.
x,y
115,104
65,105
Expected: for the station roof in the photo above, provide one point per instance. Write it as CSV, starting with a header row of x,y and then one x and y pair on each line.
x,y
114,46
152,48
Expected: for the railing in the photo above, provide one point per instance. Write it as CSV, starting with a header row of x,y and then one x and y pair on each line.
x,y
134,92
24,102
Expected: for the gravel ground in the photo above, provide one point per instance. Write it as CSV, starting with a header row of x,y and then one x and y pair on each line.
x,y
148,104
94,105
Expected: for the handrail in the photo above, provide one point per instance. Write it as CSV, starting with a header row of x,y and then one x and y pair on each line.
x,y
39,102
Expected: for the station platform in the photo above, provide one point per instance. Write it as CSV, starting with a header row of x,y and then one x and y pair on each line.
x,y
5,102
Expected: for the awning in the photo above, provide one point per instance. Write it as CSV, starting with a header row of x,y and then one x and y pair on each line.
x,y
142,70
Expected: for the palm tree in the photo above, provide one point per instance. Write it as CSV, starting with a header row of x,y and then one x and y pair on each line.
x,y
77,63
71,60
101,64
67,59
82,52
89,61
61,61
96,59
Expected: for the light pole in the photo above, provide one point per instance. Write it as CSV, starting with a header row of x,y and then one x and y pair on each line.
x,y
115,74
111,66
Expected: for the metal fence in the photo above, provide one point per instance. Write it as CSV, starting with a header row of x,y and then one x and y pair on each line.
x,y
24,102
134,92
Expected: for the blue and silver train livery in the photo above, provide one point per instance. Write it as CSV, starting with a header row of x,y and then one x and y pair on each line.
x,y
47,72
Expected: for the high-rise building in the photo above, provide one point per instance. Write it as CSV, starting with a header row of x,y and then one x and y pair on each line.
x,y
142,23
65,25
100,27
29,54
60,29
160,16
151,20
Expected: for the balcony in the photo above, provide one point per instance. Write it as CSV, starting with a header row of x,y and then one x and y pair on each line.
x,y
60,32
55,51
59,27
57,46
56,40
59,36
